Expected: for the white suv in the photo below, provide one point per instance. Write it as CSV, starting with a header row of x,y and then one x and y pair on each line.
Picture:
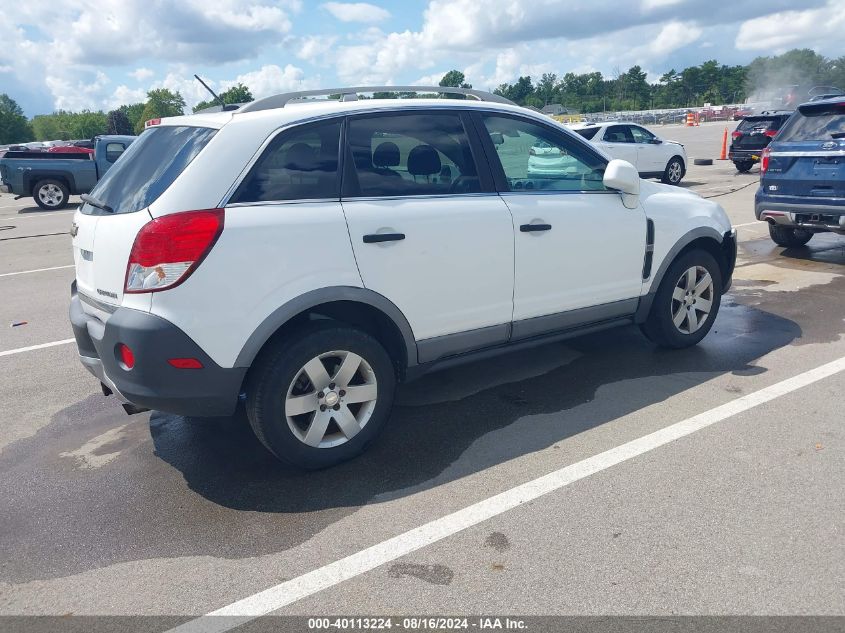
x,y
304,255
653,156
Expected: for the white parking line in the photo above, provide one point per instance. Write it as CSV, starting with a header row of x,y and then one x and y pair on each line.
x,y
758,223
35,270
20,350
363,561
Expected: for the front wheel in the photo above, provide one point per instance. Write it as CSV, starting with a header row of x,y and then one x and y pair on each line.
x,y
51,194
687,301
320,397
674,171
785,236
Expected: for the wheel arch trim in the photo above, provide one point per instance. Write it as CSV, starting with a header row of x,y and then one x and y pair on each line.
x,y
314,298
688,238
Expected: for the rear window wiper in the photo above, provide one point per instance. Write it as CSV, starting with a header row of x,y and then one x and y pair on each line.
x,y
96,202
838,135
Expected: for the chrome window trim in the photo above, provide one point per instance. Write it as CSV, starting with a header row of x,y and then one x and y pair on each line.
x,y
480,194
547,192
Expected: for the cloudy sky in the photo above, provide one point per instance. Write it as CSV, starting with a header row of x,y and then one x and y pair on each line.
x,y
98,54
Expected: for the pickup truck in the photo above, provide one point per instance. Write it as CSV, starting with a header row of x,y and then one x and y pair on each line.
x,y
51,180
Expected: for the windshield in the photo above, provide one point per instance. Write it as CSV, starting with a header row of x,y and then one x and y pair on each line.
x,y
815,123
148,167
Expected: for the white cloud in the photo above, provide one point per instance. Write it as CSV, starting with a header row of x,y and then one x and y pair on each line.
x,y
780,31
142,74
315,48
650,5
356,11
273,79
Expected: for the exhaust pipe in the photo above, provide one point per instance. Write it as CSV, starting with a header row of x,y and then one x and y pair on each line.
x,y
131,409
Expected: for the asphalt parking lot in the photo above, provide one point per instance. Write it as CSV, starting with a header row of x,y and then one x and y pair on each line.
x,y
731,505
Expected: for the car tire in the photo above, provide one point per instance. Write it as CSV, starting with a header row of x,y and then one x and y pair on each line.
x,y
789,237
679,317
743,166
50,194
674,172
286,397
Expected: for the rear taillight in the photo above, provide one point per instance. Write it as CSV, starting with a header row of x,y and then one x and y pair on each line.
x,y
764,160
736,134
152,122
771,133
168,249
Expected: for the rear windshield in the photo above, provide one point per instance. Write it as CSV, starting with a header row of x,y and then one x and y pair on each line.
x,y
148,167
815,123
761,124
588,132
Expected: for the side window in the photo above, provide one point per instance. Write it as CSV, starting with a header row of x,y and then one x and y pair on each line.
x,y
113,151
641,135
588,132
299,164
412,154
618,134
535,157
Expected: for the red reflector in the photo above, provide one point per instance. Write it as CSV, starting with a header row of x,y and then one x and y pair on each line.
x,y
771,133
152,122
185,363
126,356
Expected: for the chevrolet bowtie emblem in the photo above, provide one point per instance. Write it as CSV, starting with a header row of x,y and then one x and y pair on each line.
x,y
74,229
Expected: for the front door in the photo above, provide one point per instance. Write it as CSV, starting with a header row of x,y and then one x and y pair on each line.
x,y
579,251
428,229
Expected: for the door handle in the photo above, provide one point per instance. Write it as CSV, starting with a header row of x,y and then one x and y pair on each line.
x,y
375,238
528,228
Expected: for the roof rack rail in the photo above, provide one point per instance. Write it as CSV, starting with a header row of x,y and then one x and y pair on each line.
x,y
351,94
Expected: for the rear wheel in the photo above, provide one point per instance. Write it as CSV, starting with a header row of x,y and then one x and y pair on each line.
x,y
687,301
320,397
674,171
743,166
50,194
786,236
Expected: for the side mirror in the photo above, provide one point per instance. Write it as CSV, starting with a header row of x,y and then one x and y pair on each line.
x,y
623,176
497,137
657,141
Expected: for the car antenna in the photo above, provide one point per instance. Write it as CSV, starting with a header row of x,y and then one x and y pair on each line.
x,y
213,94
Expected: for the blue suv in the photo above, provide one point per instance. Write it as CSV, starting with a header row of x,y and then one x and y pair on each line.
x,y
802,175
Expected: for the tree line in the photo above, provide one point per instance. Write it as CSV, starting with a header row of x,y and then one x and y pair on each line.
x,y
708,82
126,119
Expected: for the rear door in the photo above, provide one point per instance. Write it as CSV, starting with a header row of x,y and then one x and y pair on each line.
x,y
619,143
103,237
808,157
428,229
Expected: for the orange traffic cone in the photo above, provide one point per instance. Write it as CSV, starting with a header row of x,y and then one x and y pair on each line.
x,y
724,154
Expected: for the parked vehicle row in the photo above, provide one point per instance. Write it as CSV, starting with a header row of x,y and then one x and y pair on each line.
x,y
335,247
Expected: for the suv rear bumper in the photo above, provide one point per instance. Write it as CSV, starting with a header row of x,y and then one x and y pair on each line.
x,y
801,212
153,383
743,155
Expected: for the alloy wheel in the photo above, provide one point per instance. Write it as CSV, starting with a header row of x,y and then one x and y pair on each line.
x,y
692,300
50,195
331,398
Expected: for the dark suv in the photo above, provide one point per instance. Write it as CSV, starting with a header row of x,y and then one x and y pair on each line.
x,y
802,175
753,135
